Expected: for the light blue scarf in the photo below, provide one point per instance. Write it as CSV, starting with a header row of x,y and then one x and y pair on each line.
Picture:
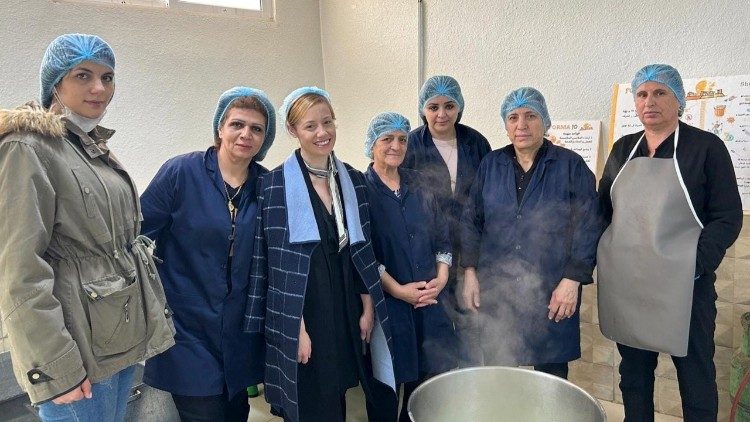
x,y
299,212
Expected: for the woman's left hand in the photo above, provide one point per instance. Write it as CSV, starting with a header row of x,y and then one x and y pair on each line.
x,y
367,320
564,300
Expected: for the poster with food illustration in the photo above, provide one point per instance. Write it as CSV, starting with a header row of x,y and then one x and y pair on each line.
x,y
720,105
581,136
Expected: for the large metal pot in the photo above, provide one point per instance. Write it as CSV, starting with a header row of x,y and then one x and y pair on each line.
x,y
497,393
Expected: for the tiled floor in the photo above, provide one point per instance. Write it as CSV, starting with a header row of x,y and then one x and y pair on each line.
x,y
260,411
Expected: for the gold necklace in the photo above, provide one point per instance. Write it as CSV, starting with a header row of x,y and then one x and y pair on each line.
x,y
230,204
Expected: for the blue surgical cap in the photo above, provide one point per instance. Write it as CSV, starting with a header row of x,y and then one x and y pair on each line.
x,y
66,52
226,100
529,98
383,124
663,74
295,95
441,85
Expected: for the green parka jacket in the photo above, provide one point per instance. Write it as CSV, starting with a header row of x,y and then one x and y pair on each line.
x,y
79,293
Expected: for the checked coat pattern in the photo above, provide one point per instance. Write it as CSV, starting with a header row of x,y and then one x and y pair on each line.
x,y
278,280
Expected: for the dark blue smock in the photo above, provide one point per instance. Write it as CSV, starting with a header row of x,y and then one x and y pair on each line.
x,y
407,232
522,251
185,211
422,155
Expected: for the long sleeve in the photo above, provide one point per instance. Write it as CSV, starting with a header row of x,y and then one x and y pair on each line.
x,y
157,202
723,209
40,344
586,225
472,220
441,236
611,168
255,311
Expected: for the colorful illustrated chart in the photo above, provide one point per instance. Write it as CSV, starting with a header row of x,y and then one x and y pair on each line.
x,y
720,105
581,136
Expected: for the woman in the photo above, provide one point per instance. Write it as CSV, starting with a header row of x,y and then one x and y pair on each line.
x,y
314,288
447,154
411,241
671,190
81,299
530,230
201,209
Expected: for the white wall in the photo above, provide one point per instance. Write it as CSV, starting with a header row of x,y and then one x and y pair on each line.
x,y
171,68
370,61
573,51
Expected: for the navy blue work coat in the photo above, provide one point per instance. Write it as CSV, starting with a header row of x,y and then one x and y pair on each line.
x,y
422,155
407,232
286,235
521,252
185,211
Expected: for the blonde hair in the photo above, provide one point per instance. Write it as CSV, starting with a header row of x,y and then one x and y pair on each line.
x,y
301,105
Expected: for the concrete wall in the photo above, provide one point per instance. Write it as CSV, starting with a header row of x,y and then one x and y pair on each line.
x,y
370,61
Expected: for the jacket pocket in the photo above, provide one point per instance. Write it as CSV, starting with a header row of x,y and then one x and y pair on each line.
x,y
87,192
116,315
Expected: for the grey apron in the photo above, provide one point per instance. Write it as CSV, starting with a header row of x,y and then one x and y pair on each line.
x,y
646,257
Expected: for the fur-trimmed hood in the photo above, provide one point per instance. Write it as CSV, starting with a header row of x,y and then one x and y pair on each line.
x,y
31,117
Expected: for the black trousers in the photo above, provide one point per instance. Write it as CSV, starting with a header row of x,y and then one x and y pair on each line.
x,y
212,408
696,372
556,369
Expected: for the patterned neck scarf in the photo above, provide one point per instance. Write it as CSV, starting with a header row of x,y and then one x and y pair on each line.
x,y
333,188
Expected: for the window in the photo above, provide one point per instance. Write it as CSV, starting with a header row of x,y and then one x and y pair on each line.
x,y
262,9
236,4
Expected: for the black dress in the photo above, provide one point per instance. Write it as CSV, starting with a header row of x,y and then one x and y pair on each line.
x,y
331,311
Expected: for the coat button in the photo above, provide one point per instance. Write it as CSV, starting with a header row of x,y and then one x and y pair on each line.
x,y
86,190
35,376
518,217
518,247
94,295
166,311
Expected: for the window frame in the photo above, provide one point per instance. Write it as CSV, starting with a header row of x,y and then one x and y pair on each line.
x,y
267,12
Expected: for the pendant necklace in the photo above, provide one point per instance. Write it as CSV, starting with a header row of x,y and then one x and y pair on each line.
x,y
230,199
232,214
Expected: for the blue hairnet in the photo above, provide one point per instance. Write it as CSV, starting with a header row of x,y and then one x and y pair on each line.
x,y
665,75
294,96
66,52
226,100
441,85
529,98
383,124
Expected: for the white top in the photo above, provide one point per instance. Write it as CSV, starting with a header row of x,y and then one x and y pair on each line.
x,y
448,149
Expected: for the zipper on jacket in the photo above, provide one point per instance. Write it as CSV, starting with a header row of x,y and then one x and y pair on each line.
x,y
126,309
115,253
